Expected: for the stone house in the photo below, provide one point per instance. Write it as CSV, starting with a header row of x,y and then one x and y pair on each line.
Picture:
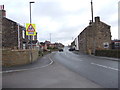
x,y
96,36
13,34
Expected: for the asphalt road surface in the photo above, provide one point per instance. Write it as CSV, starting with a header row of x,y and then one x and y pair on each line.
x,y
102,71
64,70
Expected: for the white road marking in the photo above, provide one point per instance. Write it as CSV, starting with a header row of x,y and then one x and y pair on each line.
x,y
105,66
72,57
29,68
53,52
65,53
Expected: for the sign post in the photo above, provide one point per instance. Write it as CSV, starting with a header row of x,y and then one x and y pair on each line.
x,y
30,31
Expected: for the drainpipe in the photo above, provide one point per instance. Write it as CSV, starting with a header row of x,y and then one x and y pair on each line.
x,y
18,36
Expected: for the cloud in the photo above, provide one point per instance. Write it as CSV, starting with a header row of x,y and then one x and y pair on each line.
x,y
63,18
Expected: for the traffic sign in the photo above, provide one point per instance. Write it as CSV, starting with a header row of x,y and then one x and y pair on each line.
x,y
30,29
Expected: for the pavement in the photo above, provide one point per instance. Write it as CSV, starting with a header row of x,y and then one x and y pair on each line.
x,y
47,73
109,58
40,63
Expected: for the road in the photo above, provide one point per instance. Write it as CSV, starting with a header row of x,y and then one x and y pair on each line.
x,y
68,70
102,71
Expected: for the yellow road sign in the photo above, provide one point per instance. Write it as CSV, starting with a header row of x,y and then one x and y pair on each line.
x,y
30,29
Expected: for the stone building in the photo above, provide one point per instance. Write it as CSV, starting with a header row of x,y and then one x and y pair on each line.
x,y
14,34
96,36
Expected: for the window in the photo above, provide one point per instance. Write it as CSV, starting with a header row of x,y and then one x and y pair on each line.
x,y
117,44
23,33
106,45
24,46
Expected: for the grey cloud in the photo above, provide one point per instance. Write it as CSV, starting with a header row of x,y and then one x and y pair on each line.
x,y
53,9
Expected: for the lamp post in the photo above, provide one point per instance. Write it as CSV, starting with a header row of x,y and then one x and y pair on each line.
x,y
31,36
30,12
31,22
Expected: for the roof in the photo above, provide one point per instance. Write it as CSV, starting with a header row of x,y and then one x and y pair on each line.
x,y
33,42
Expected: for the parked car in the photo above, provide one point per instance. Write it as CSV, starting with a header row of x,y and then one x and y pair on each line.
x,y
60,50
71,49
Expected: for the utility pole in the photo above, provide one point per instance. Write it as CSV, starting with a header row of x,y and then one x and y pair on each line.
x,y
94,34
92,10
72,38
50,37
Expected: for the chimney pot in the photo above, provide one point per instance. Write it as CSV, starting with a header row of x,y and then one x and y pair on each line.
x,y
90,23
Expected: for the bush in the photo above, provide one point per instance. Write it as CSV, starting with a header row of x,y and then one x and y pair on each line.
x,y
40,53
108,53
49,48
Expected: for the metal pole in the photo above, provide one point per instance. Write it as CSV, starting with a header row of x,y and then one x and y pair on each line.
x,y
30,12
31,36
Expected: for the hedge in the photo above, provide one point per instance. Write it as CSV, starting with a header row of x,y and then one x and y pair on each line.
x,y
108,53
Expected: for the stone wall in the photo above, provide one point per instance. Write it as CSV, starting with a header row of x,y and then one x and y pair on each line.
x,y
18,57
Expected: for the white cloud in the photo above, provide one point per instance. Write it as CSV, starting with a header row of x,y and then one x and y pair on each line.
x,y
114,31
63,18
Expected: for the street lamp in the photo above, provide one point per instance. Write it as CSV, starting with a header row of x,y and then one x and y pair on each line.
x,y
31,36
30,12
31,22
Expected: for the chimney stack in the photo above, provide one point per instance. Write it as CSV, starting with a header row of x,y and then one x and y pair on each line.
x,y
2,11
97,19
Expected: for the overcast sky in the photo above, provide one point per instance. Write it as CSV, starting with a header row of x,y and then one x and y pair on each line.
x,y
64,19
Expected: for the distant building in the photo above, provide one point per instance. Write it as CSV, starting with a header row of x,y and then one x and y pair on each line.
x,y
14,34
115,44
58,45
96,36
76,44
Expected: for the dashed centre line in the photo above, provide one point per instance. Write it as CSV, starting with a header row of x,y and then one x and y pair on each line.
x,y
72,57
105,66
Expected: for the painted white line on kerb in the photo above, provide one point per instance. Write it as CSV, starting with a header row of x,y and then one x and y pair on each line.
x,y
113,59
105,66
110,58
29,68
